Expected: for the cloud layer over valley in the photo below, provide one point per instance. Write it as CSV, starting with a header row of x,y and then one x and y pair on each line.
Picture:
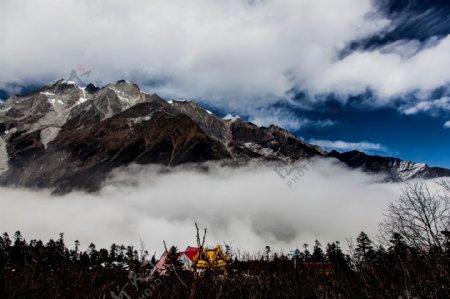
x,y
249,207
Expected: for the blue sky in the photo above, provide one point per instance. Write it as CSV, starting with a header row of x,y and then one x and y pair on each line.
x,y
346,74
420,138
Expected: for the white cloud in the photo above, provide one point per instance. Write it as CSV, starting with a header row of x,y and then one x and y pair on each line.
x,y
249,207
430,106
231,116
246,52
236,54
391,73
447,125
286,119
340,145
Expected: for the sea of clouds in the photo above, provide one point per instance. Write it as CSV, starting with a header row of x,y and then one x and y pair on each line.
x,y
248,207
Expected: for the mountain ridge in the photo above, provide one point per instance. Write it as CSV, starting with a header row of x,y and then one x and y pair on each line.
x,y
67,137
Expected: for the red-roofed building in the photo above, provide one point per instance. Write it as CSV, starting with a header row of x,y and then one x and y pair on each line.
x,y
185,257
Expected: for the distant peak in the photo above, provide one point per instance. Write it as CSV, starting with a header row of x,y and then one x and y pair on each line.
x,y
61,82
124,85
91,88
333,153
123,81
60,86
56,82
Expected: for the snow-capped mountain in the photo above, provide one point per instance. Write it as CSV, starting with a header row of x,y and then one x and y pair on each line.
x,y
67,137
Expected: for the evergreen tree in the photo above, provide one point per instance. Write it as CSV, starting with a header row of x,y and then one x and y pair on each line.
x,y
6,241
103,256
93,254
18,249
173,263
318,252
120,256
60,246
275,257
267,252
130,253
335,255
398,244
113,252
364,248
17,238
306,253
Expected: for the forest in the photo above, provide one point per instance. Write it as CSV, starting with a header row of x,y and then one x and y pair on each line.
x,y
410,259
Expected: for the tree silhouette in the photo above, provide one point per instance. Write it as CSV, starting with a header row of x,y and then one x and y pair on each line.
x,y
173,263
317,255
364,248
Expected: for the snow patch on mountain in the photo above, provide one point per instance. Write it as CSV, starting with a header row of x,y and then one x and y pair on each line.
x,y
407,170
138,120
80,101
48,135
267,153
51,119
3,156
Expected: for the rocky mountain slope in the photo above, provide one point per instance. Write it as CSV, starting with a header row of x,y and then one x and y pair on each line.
x,y
393,169
66,137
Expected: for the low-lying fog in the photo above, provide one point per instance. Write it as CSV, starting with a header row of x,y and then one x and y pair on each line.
x,y
249,208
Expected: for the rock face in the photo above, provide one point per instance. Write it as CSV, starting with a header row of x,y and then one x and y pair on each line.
x,y
394,169
65,137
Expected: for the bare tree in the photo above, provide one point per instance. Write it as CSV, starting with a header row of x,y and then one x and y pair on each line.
x,y
419,215
446,187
